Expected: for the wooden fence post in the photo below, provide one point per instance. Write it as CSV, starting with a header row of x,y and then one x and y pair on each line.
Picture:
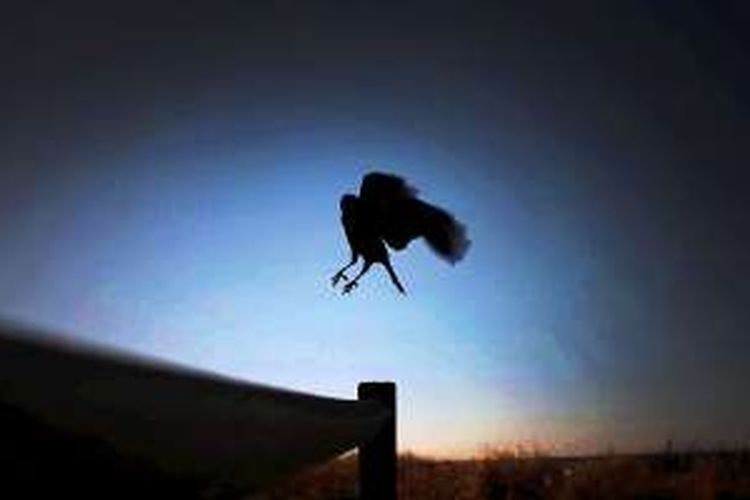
x,y
377,458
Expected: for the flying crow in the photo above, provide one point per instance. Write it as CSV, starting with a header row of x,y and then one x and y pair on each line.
x,y
388,212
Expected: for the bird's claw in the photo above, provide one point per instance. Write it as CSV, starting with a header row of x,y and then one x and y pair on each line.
x,y
338,277
349,287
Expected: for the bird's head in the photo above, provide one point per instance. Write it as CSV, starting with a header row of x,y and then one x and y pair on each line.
x,y
348,203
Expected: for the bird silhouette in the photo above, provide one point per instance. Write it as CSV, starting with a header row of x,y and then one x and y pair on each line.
x,y
388,212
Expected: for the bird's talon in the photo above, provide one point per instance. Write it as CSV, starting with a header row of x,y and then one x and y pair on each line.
x,y
338,277
349,287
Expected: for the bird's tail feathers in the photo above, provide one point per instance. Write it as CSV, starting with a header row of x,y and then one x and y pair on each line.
x,y
444,234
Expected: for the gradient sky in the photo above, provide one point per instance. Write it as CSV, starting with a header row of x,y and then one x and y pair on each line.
x,y
170,175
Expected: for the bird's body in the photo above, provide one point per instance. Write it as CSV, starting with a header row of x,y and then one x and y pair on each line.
x,y
362,232
387,212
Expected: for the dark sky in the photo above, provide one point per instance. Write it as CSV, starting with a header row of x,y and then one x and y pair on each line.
x,y
601,147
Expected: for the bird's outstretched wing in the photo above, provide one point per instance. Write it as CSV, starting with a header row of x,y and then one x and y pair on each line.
x,y
401,217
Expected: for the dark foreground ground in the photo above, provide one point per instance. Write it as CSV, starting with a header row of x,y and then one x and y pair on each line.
x,y
694,475
38,462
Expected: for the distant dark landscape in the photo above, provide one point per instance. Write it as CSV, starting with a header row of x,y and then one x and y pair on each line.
x,y
694,475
